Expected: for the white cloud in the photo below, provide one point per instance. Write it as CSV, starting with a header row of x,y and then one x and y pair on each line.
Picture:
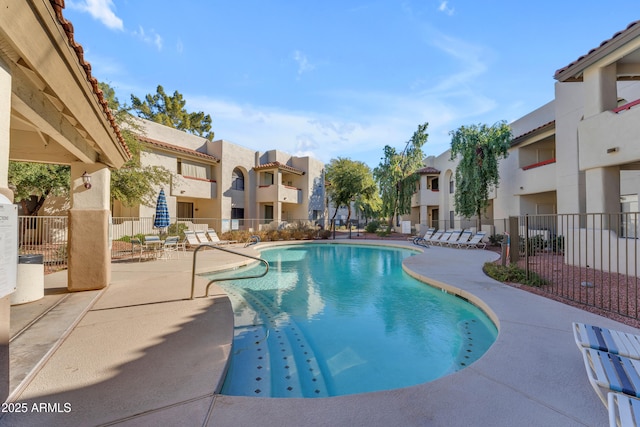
x,y
444,7
102,10
303,63
152,38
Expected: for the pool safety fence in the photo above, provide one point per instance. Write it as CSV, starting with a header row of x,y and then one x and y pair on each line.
x,y
588,259
46,236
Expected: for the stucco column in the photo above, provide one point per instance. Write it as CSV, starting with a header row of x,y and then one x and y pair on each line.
x,y
603,194
89,254
600,90
5,303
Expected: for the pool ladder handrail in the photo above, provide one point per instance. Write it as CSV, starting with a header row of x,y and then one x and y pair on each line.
x,y
216,246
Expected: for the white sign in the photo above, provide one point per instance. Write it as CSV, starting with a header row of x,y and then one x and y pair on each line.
x,y
8,246
406,227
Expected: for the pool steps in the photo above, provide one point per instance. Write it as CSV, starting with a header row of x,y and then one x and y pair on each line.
x,y
288,369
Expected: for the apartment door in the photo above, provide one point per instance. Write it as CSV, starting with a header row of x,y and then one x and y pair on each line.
x,y
185,210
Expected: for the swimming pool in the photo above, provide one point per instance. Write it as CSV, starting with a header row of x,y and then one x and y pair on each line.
x,y
338,319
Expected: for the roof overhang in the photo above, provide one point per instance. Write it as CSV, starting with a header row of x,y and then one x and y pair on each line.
x,y
58,113
623,44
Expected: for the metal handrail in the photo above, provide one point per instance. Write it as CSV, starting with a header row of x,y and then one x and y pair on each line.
x,y
214,246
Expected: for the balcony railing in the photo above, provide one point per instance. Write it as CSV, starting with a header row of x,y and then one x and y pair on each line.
x,y
537,165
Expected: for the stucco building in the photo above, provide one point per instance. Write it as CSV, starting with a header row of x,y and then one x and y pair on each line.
x,y
228,186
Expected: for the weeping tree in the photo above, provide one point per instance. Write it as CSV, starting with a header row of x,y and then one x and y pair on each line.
x,y
396,175
480,149
350,181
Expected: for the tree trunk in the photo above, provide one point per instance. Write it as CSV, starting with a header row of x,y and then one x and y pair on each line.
x,y
479,219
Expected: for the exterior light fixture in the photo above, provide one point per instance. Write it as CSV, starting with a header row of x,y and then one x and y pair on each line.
x,y
86,179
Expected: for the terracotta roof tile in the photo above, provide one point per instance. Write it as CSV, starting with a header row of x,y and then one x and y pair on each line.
x,y
58,5
428,170
278,165
178,149
559,73
518,139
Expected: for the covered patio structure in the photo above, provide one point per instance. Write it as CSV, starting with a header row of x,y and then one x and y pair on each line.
x,y
52,111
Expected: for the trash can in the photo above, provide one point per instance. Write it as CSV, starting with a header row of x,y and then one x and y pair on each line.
x,y
29,279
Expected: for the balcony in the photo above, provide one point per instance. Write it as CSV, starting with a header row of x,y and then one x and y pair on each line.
x,y
425,197
279,193
197,188
537,177
610,138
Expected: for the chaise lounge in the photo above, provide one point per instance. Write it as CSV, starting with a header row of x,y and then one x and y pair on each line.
x,y
609,340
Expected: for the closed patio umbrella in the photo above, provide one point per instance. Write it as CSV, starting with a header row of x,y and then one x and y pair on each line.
x,y
161,219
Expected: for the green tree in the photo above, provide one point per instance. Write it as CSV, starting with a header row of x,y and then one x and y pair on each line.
x,y
169,111
480,148
349,181
396,175
32,183
133,183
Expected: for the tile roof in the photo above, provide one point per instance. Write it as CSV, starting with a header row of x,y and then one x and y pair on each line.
x,y
278,165
428,170
178,149
518,139
58,5
571,72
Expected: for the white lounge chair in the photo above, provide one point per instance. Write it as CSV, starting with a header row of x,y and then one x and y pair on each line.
x,y
213,237
192,240
624,411
475,241
417,240
452,239
609,340
443,238
431,240
464,238
202,237
609,372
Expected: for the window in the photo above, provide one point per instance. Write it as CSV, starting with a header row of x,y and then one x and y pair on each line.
x,y
434,184
451,219
237,180
451,186
237,213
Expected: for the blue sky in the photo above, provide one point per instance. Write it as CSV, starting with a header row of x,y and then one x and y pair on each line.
x,y
342,78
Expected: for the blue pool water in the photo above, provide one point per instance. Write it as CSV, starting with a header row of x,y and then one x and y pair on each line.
x,y
331,320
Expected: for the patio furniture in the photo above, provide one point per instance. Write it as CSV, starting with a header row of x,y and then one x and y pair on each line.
x,y
170,247
462,239
213,236
202,237
191,239
153,245
610,372
140,248
418,239
431,240
608,340
475,241
624,411
451,239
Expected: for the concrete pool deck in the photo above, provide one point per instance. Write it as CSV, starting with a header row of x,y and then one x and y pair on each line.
x,y
140,352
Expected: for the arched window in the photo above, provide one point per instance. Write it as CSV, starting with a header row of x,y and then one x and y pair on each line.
x,y
237,180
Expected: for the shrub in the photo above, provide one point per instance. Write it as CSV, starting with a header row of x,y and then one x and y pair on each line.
x,y
372,227
177,229
512,273
496,239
